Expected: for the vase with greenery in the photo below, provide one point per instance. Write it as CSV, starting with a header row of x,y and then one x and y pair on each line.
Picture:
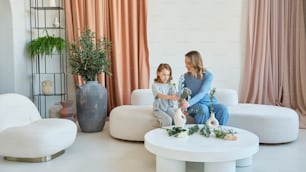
x,y
88,58
212,122
46,45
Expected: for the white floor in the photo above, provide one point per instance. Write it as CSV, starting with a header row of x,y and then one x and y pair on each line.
x,y
99,152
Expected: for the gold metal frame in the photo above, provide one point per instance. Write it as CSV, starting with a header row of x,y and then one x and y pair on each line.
x,y
38,159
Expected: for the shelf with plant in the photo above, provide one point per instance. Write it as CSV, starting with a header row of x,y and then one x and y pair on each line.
x,y
46,45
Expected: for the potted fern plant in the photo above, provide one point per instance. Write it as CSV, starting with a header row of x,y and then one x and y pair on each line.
x,y
46,45
42,46
88,58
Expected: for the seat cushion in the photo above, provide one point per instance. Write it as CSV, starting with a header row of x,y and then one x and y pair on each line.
x,y
272,124
41,138
131,122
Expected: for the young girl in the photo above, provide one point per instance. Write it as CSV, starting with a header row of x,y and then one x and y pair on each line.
x,y
165,98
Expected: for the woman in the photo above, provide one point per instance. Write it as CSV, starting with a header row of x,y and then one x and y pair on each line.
x,y
199,81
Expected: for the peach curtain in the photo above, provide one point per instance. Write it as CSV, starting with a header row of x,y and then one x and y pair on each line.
x,y
275,61
123,22
128,30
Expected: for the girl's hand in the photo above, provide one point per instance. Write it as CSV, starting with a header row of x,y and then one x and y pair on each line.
x,y
174,98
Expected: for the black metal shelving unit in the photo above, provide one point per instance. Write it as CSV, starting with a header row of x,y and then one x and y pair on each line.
x,y
48,18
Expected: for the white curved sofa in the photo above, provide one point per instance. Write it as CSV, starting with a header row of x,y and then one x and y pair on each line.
x,y
25,136
131,122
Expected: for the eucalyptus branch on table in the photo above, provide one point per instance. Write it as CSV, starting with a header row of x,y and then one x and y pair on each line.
x,y
205,131
175,131
227,134
193,129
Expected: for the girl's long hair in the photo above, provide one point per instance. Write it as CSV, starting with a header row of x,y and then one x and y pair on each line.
x,y
159,69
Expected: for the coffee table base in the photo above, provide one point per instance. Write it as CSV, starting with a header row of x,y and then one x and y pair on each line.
x,y
228,166
244,162
166,165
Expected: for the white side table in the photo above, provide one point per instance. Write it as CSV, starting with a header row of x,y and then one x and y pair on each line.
x,y
217,154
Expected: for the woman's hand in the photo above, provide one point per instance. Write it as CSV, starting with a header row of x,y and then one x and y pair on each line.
x,y
184,104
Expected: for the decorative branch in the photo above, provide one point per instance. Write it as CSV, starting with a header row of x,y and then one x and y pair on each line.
x,y
211,95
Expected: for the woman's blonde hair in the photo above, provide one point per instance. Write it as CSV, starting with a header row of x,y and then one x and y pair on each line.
x,y
160,68
196,64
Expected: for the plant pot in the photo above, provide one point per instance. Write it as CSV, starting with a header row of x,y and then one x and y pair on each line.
x,y
67,110
91,106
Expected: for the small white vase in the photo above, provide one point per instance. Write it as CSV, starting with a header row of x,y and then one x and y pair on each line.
x,y
212,122
56,22
179,118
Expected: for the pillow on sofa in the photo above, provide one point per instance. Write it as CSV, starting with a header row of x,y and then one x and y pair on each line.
x,y
142,97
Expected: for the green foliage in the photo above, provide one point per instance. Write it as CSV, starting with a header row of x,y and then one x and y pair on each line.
x,y
46,45
221,133
88,57
186,92
211,95
175,131
193,129
205,131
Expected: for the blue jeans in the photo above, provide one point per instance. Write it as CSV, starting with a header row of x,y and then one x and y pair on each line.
x,y
200,113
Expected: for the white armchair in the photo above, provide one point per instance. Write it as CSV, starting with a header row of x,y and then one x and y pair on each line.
x,y
25,136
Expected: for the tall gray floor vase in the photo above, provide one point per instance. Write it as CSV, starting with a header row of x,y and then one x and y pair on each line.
x,y
91,106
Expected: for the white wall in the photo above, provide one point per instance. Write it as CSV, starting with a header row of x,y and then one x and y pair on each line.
x,y
214,27
14,69
6,48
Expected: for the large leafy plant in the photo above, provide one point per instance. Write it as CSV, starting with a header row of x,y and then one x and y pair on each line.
x,y
89,57
46,45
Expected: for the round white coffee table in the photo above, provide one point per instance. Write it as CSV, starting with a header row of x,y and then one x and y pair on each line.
x,y
217,154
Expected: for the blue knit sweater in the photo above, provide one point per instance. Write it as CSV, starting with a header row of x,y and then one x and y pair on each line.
x,y
199,88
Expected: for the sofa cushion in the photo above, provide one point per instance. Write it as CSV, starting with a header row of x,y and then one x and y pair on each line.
x,y
38,139
272,124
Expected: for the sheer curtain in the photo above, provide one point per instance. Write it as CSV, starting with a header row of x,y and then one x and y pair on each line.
x,y
123,22
275,62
